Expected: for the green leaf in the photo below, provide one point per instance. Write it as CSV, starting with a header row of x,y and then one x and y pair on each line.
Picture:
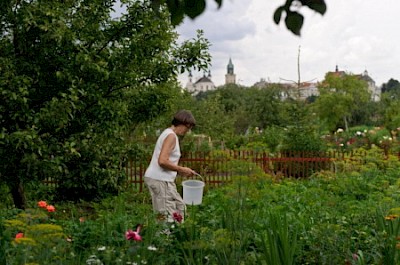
x,y
219,2
176,8
316,5
278,14
294,22
193,8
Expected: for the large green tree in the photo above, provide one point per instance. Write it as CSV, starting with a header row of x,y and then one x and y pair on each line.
x,y
341,97
392,86
73,79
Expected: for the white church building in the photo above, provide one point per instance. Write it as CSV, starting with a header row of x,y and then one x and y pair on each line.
x,y
205,82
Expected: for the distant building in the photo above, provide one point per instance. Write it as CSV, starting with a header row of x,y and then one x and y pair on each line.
x,y
230,77
262,83
292,89
203,84
375,91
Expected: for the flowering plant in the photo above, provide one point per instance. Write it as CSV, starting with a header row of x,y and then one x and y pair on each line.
x,y
48,207
134,235
177,217
42,204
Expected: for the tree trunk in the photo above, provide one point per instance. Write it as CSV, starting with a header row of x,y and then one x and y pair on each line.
x,y
346,125
18,194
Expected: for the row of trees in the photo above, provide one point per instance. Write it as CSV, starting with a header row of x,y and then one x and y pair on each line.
x,y
344,102
230,113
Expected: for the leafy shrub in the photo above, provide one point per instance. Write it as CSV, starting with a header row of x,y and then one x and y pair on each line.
x,y
273,136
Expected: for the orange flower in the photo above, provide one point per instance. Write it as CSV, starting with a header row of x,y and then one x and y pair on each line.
x,y
50,208
42,204
19,235
81,219
391,217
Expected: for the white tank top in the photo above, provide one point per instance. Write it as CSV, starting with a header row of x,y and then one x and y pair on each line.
x,y
155,171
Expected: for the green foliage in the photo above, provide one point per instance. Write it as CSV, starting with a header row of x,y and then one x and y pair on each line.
x,y
4,241
389,228
302,135
390,105
341,98
273,136
392,86
212,119
279,240
74,80
266,108
327,219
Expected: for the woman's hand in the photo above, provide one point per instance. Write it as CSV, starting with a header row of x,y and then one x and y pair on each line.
x,y
187,172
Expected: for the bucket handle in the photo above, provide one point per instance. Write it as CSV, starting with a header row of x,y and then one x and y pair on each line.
x,y
197,174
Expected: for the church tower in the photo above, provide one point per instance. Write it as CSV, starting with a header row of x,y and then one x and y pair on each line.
x,y
189,85
230,77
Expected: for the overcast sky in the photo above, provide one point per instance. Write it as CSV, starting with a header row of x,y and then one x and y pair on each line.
x,y
356,35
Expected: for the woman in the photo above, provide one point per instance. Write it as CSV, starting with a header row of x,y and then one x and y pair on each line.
x,y
161,173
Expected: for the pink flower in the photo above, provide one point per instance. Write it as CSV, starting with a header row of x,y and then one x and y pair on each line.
x,y
42,204
134,235
50,208
177,217
19,235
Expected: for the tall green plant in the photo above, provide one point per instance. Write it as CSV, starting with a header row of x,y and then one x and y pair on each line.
x,y
389,226
279,241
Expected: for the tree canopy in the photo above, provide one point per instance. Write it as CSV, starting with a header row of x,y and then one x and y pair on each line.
x,y
73,80
340,97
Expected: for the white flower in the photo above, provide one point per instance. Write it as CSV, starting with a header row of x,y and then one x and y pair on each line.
x,y
144,262
152,248
341,144
358,133
93,260
101,248
339,130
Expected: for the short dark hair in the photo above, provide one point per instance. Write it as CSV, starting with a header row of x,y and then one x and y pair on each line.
x,y
183,117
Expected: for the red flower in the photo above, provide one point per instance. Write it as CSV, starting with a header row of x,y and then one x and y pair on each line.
x,y
177,217
19,235
50,208
42,204
133,235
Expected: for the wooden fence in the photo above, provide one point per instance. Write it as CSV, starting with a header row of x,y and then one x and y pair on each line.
x,y
219,167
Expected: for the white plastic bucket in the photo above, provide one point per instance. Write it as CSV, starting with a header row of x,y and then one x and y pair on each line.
x,y
193,191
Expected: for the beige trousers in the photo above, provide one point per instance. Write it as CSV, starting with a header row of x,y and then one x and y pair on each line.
x,y
165,198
